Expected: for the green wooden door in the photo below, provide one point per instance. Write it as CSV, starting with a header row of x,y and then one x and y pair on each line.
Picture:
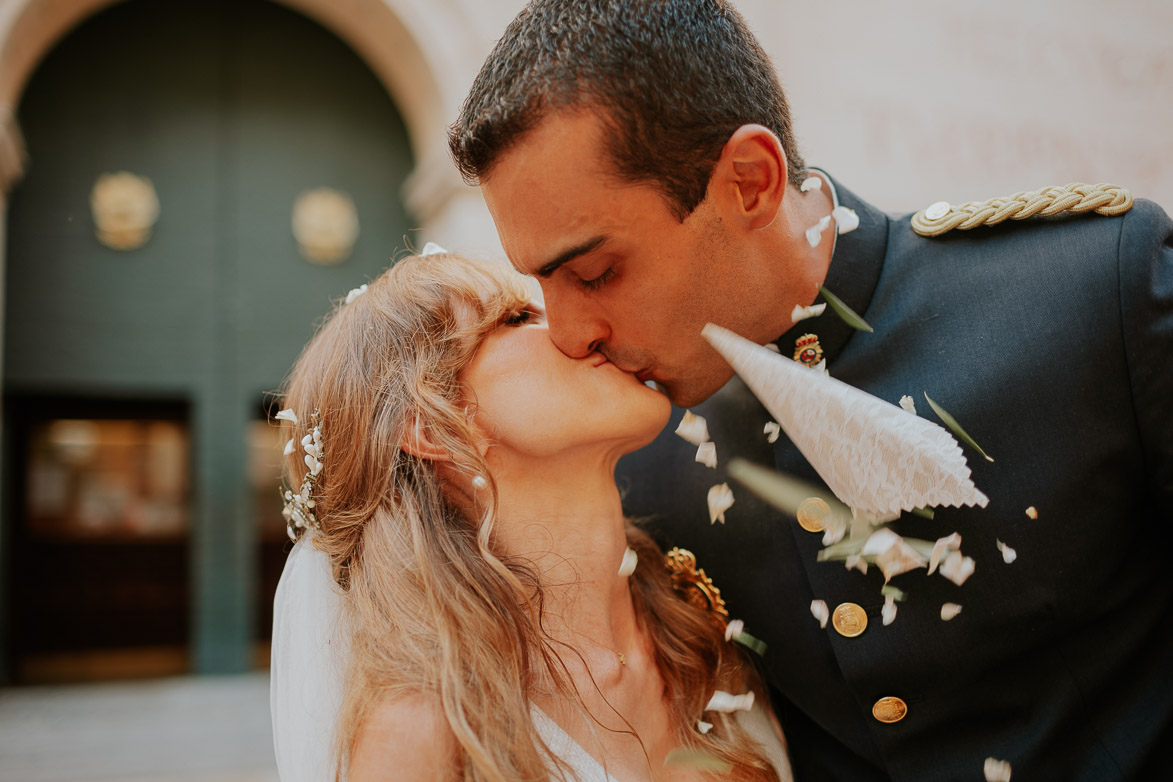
x,y
232,108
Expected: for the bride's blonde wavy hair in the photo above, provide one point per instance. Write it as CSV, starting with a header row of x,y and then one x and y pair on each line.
x,y
433,609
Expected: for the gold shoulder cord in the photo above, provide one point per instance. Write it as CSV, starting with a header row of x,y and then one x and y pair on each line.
x,y
1076,197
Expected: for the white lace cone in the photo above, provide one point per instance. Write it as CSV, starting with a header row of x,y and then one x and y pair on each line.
x,y
876,458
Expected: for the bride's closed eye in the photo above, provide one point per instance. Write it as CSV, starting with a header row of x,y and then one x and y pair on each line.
x,y
531,313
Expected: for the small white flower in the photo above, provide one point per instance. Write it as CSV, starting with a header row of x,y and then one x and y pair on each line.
x,y
1008,554
846,220
949,610
313,464
996,770
888,612
811,183
720,500
943,545
802,313
957,568
287,415
706,454
630,560
814,234
819,611
355,293
907,404
735,627
290,447
704,727
693,428
1031,512
771,430
725,703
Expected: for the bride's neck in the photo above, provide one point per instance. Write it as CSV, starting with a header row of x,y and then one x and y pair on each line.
x,y
567,519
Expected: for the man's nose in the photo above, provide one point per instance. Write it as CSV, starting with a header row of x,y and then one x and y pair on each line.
x,y
576,328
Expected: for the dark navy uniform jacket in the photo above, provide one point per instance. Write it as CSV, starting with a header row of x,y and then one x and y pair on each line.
x,y
1051,342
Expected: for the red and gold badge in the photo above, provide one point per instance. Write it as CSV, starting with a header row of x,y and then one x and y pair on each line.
x,y
807,350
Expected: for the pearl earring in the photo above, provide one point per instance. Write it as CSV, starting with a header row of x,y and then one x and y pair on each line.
x,y
480,482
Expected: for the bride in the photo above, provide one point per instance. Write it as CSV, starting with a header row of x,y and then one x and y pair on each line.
x,y
466,599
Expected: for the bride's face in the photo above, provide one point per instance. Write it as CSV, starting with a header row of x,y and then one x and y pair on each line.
x,y
534,400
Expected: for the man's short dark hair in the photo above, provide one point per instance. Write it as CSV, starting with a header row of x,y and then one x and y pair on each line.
x,y
672,79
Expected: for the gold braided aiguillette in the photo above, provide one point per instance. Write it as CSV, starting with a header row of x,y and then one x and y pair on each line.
x,y
1076,197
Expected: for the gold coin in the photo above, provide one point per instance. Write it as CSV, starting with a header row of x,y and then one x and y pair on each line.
x,y
849,620
812,514
889,709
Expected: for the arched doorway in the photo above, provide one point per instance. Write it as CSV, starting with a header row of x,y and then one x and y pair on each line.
x,y
135,380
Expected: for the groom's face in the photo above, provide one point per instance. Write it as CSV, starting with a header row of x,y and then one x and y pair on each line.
x,y
619,273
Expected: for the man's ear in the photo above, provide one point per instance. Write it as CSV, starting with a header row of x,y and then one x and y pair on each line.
x,y
415,442
749,180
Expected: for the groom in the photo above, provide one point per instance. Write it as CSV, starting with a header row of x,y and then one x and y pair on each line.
x,y
638,159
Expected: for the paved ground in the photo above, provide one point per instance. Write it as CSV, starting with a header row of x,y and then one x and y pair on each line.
x,y
196,729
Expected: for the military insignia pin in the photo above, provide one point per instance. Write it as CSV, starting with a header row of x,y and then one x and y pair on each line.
x,y
807,350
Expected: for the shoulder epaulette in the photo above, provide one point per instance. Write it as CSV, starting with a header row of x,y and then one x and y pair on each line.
x,y
1076,197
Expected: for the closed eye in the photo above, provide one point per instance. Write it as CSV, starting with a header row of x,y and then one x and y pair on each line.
x,y
531,313
598,282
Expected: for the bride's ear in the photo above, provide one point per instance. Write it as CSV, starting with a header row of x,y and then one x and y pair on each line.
x,y
415,442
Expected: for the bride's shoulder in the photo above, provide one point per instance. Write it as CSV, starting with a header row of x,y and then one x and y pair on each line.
x,y
408,738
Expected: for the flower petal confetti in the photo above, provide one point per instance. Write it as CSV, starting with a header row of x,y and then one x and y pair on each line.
x,y
948,543
630,560
996,770
820,612
735,631
955,427
821,368
891,554
287,415
771,430
355,293
699,759
725,703
857,562
704,727
814,234
1008,554
949,610
1032,513
845,313
693,428
811,183
908,405
290,447
803,313
706,454
720,500
734,627
846,220
888,612
957,568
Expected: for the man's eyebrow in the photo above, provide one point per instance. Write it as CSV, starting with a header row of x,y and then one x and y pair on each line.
x,y
569,255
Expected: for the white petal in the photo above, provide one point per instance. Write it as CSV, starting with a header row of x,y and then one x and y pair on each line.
x,y
287,415
811,183
957,568
706,454
802,313
693,428
820,612
290,447
846,220
630,560
996,770
704,727
1032,512
355,293
771,430
949,543
891,554
720,500
907,404
889,610
821,368
814,234
734,627
725,703
857,562
1008,554
880,541
431,248
949,610
307,440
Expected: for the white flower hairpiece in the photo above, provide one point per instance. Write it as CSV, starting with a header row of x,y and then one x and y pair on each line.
x,y
299,507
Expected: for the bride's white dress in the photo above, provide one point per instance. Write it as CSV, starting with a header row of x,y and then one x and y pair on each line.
x,y
587,769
